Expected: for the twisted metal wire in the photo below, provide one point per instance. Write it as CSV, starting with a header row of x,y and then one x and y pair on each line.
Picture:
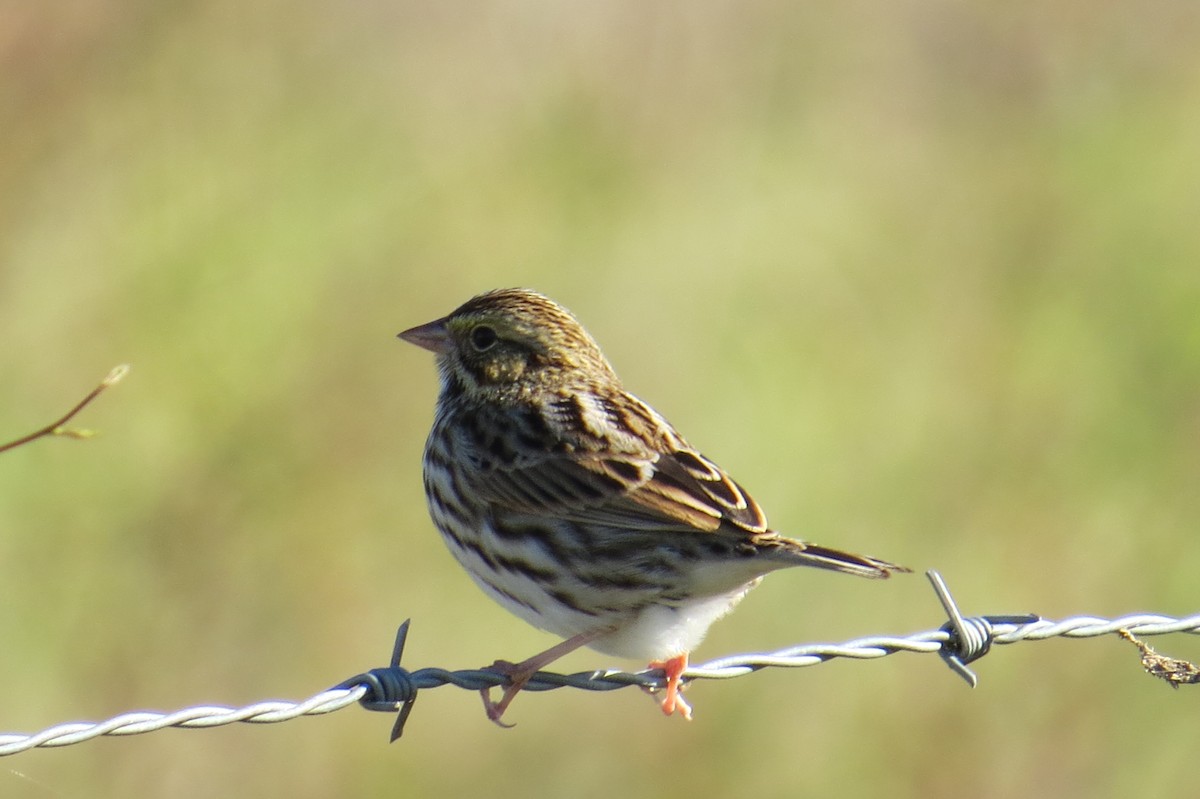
x,y
394,688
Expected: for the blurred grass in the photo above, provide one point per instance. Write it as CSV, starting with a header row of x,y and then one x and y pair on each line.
x,y
924,276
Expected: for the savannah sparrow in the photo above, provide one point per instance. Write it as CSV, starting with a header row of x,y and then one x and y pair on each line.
x,y
576,505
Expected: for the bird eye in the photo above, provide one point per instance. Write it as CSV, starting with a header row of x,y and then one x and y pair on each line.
x,y
483,337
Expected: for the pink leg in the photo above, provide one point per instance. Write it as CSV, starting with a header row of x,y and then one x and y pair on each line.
x,y
519,674
674,668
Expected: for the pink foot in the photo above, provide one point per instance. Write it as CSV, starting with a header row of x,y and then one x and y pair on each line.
x,y
673,701
517,676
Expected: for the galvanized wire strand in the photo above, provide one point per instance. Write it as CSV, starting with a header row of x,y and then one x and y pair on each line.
x,y
191,717
394,688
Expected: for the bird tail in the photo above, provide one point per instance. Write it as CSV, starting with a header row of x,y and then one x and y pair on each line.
x,y
804,554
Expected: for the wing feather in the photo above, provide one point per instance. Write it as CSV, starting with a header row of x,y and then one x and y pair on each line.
x,y
661,491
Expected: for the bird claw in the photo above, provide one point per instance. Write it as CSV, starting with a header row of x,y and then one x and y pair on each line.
x,y
673,700
519,674
675,703
517,677
495,710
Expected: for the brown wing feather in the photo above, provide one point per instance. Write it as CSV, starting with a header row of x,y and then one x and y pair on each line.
x,y
688,473
652,491
612,460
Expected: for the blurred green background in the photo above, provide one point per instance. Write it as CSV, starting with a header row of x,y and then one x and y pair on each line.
x,y
924,276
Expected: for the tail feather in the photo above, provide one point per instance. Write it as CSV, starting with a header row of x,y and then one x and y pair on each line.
x,y
804,554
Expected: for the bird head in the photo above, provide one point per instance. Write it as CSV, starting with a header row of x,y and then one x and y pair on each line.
x,y
510,342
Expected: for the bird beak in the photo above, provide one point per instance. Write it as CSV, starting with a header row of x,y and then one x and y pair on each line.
x,y
432,336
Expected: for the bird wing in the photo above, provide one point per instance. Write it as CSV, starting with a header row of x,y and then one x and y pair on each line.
x,y
662,491
665,493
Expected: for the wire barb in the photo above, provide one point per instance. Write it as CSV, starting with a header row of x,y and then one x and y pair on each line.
x,y
969,638
389,689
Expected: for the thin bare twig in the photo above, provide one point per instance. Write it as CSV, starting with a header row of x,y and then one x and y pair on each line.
x,y
57,428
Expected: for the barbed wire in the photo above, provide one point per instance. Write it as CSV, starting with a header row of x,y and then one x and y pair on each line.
x,y
394,689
